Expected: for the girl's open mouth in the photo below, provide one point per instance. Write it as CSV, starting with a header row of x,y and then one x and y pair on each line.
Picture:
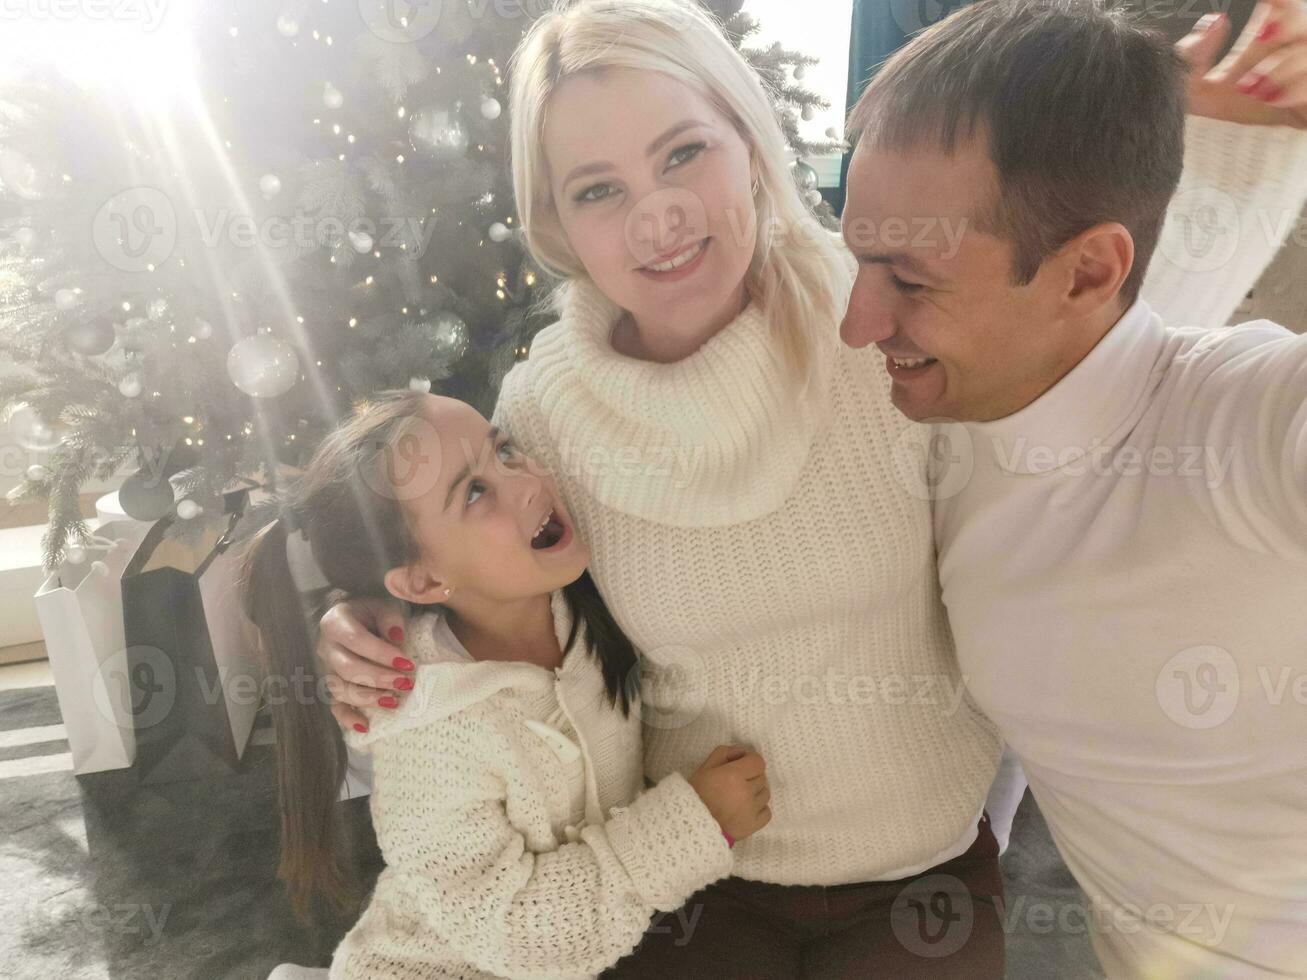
x,y
552,535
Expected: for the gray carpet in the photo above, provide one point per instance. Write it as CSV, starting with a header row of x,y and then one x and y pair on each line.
x,y
110,879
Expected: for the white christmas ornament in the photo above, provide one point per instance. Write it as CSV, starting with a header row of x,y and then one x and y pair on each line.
x,y
799,72
419,384
37,473
65,299
331,96
361,241
499,232
490,108
75,554
814,197
269,186
203,330
189,510
287,25
30,430
809,113
130,387
263,366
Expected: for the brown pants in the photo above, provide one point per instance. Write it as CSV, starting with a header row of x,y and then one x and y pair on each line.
x,y
943,923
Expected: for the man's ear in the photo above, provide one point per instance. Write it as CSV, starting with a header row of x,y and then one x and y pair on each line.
x,y
1097,263
412,584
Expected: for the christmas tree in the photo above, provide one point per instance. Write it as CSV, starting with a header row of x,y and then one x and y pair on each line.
x,y
325,211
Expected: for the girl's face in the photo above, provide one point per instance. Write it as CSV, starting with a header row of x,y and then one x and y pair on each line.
x,y
653,190
488,521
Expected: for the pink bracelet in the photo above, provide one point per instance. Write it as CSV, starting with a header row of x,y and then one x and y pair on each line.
x,y
730,841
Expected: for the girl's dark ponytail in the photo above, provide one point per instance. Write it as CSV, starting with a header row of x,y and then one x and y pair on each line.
x,y
618,659
310,750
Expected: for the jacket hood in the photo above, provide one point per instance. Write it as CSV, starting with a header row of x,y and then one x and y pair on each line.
x,y
448,681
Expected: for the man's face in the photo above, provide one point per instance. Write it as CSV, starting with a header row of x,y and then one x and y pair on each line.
x,y
962,342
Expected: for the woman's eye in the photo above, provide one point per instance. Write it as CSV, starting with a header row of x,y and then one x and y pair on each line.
x,y
585,198
507,451
686,153
474,491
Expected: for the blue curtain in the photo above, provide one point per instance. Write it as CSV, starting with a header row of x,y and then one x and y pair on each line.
x,y
880,27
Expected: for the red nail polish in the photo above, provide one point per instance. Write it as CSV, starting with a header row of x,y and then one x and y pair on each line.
x,y
1268,32
1250,83
403,683
403,663
386,701
361,728
395,635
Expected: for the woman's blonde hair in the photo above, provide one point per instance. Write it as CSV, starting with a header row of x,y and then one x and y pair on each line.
x,y
797,278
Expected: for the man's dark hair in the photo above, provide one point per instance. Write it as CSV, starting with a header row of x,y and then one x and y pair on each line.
x,y
1083,111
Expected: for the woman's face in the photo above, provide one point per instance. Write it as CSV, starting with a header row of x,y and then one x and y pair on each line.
x,y
475,505
644,172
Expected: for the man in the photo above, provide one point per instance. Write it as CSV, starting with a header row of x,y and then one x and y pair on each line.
x,y
1120,505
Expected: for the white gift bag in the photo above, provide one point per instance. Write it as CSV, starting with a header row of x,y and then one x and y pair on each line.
x,y
81,614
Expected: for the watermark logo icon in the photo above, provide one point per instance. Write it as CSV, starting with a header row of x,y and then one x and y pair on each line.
x,y
136,229
933,916
401,21
1198,688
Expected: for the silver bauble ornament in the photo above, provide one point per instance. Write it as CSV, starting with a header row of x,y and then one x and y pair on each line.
x,y
808,113
75,554
419,384
31,431
450,335
188,510
130,386
490,108
804,175
263,366
90,337
438,134
38,473
203,329
500,232
269,186
361,241
65,299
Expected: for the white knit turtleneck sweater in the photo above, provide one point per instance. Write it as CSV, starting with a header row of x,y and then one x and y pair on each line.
x,y
776,565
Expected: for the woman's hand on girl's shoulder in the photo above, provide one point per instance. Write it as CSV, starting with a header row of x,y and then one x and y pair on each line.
x,y
359,667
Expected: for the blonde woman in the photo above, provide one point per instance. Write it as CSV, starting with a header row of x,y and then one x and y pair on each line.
x,y
752,502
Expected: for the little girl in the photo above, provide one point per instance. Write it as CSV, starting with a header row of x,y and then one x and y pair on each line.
x,y
507,789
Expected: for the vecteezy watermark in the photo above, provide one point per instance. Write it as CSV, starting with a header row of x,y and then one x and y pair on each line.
x,y
933,916
1199,922
136,230
147,13
1208,463
945,691
1198,688
934,460
90,919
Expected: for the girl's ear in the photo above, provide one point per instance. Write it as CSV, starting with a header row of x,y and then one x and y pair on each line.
x,y
411,583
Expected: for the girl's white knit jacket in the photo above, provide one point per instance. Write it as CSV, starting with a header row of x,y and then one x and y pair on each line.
x,y
475,786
